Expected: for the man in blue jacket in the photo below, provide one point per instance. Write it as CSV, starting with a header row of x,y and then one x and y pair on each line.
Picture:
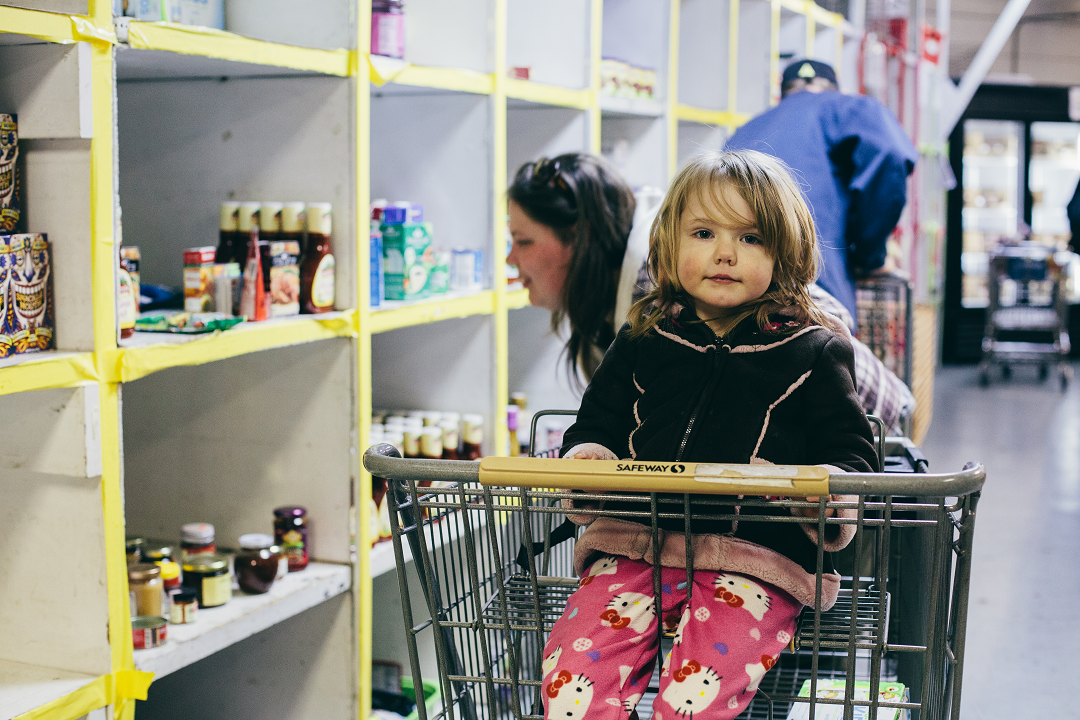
x,y
852,159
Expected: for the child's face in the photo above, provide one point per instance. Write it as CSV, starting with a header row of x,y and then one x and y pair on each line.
x,y
722,260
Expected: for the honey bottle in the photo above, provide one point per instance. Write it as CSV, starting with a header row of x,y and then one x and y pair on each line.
x,y
317,268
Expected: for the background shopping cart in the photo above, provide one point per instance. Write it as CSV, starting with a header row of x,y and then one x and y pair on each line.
x,y
1027,296
480,624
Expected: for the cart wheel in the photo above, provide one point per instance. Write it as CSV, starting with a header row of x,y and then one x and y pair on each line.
x,y
1044,372
1006,372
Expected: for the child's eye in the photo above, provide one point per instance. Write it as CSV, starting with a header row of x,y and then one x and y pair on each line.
x,y
703,234
751,239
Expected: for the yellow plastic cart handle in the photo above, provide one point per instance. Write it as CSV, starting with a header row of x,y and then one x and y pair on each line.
x,y
636,476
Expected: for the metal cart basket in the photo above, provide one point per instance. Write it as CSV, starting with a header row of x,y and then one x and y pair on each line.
x,y
1027,295
492,585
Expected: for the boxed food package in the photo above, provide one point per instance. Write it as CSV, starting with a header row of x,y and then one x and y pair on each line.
x,y
9,175
26,291
206,13
834,689
407,260
199,279
439,279
284,278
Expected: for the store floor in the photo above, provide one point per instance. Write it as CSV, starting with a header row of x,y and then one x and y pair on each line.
x,y
1023,648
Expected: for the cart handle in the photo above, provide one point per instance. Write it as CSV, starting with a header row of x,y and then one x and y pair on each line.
x,y
701,478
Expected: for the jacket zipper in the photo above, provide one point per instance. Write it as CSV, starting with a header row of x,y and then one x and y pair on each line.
x,y
701,400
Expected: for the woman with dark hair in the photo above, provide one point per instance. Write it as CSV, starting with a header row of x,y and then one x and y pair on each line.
x,y
570,217
580,242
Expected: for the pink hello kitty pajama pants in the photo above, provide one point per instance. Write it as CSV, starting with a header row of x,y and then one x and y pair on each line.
x,y
600,655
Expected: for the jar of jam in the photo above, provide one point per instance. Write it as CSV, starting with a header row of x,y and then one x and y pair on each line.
x,y
208,577
256,565
170,580
291,534
198,539
144,580
450,439
431,443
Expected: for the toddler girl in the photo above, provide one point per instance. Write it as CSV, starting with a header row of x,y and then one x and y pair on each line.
x,y
727,360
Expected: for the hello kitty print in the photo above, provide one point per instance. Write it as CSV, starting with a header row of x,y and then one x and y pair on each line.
x,y
602,651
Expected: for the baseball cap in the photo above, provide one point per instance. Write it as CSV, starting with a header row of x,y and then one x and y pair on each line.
x,y
808,70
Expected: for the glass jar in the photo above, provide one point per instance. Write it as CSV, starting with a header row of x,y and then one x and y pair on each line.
x,y
170,584
472,437
145,583
198,539
208,577
291,533
157,552
257,564
184,608
134,549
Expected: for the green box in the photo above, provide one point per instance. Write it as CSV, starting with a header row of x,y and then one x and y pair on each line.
x,y
407,260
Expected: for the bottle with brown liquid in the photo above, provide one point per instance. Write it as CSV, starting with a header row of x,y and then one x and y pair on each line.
x,y
472,437
269,232
253,305
317,269
248,218
228,233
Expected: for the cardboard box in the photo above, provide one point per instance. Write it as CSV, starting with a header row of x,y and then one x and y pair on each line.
x,y
834,689
199,279
9,173
284,278
407,260
26,292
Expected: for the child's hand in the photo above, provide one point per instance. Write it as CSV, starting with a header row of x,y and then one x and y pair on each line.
x,y
812,512
586,454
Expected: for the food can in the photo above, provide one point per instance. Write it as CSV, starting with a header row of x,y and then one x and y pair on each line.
x,y
149,631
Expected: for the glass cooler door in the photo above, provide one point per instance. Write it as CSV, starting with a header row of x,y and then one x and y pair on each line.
x,y
993,204
1052,178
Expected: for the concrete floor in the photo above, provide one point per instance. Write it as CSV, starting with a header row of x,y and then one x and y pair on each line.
x,y
1023,649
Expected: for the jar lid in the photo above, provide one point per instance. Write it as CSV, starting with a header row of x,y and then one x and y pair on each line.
x,y
206,563
134,542
141,572
185,596
319,218
155,550
170,570
270,216
292,217
288,511
256,541
249,216
148,622
450,416
198,533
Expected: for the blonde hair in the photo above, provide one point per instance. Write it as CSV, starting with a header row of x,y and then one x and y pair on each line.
x,y
780,215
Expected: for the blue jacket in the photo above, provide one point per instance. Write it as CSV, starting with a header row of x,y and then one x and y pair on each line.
x,y
852,159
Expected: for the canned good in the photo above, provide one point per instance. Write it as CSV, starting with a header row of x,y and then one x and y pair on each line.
x,y
149,631
208,577
157,552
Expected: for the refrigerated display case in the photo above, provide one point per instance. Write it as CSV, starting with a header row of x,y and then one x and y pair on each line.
x,y
993,175
1016,157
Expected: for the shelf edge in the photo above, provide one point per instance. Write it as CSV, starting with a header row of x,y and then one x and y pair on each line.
x,y
428,311
390,70
206,42
549,94
48,373
133,363
710,117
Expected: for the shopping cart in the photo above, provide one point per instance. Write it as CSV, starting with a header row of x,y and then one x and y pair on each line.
x,y
883,306
1027,295
482,617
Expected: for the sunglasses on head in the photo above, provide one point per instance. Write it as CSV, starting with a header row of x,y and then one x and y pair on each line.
x,y
549,172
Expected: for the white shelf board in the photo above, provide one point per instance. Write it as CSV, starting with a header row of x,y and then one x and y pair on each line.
x,y
27,687
382,555
630,106
243,616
